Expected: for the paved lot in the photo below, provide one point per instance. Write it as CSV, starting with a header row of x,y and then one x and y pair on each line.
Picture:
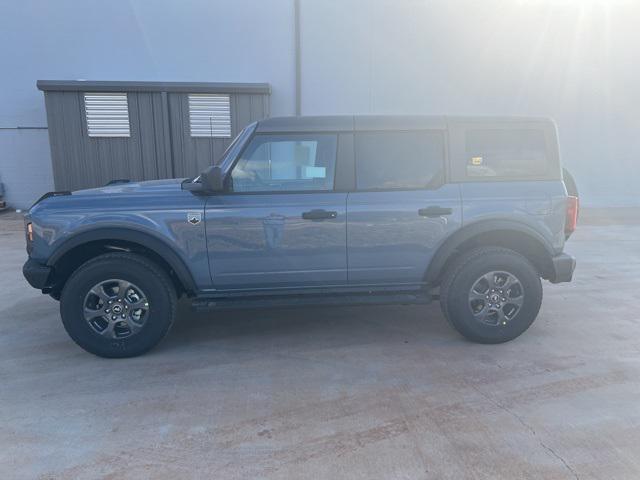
x,y
357,393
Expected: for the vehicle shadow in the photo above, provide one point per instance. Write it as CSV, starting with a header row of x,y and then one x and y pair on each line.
x,y
316,327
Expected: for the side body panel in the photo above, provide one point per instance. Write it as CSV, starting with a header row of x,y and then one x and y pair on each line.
x,y
258,241
389,242
540,205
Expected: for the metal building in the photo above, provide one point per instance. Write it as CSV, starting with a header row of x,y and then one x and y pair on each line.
x,y
103,131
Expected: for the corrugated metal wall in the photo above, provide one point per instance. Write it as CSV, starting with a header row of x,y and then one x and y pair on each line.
x,y
160,144
193,154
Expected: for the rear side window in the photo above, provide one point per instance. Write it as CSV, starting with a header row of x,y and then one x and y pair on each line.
x,y
399,160
506,153
285,163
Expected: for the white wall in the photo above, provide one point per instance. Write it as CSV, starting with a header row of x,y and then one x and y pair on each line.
x,y
577,61
25,168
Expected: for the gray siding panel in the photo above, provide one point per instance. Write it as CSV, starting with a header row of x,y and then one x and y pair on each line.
x,y
191,155
148,135
182,159
161,118
160,155
160,143
242,112
131,165
55,121
257,107
75,170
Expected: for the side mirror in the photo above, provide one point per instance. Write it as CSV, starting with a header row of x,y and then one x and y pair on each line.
x,y
209,181
212,179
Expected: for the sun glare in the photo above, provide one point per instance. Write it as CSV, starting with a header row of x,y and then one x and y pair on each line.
x,y
578,3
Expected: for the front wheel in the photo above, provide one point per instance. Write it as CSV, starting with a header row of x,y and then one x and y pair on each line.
x,y
118,305
491,295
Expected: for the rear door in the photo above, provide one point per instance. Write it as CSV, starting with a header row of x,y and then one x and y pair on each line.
x,y
402,208
281,224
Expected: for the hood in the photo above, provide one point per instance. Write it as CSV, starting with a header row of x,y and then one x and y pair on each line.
x,y
131,188
124,192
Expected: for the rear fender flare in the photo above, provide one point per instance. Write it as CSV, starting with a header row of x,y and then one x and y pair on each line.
x,y
466,233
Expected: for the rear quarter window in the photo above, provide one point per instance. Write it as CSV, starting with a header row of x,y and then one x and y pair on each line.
x,y
507,153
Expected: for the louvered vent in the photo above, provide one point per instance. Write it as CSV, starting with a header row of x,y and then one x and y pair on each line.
x,y
210,115
107,114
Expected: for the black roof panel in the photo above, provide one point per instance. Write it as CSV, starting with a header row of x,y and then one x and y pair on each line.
x,y
348,123
335,123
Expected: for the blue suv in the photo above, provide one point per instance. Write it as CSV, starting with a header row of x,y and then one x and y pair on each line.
x,y
318,210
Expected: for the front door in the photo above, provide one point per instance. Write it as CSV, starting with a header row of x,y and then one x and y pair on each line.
x,y
402,209
279,224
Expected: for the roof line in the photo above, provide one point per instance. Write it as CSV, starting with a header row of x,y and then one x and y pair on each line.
x,y
126,86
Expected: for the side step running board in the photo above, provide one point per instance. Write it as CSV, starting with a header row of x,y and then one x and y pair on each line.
x,y
204,304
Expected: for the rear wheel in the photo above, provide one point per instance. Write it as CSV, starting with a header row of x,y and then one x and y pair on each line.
x,y
118,305
491,295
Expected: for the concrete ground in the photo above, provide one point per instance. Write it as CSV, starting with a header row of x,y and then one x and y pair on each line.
x,y
357,393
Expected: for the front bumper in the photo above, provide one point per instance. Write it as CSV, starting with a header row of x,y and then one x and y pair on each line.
x,y
563,267
37,275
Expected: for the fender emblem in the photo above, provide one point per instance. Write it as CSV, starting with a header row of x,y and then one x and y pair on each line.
x,y
193,218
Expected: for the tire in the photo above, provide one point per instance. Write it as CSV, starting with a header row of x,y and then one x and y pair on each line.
x,y
148,306
463,289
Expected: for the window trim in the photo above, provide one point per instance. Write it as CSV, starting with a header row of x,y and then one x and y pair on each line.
x,y
445,159
458,137
255,134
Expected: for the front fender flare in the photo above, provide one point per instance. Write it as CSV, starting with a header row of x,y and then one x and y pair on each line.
x,y
147,240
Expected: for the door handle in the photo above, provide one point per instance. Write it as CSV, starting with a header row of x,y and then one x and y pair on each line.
x,y
319,215
434,211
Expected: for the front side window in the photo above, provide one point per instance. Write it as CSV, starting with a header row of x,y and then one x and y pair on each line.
x,y
286,163
399,160
506,153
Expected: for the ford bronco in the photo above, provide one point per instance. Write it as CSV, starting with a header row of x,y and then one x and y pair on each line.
x,y
318,210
